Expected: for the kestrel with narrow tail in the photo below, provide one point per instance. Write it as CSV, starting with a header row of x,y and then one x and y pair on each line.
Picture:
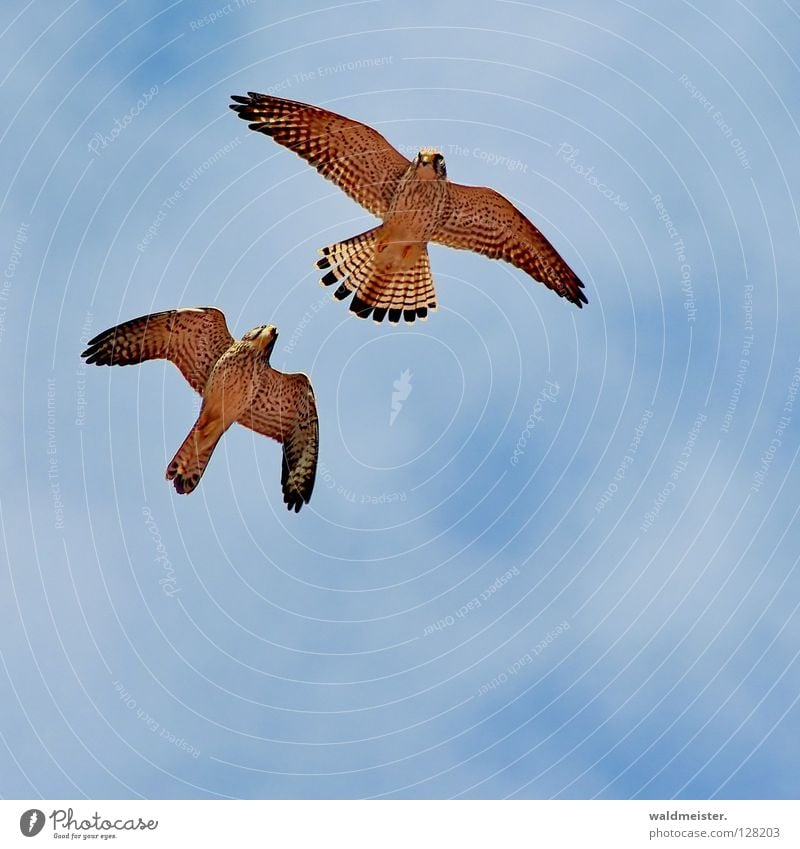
x,y
386,269
237,384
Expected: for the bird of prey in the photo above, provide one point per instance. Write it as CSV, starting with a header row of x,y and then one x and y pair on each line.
x,y
237,384
386,269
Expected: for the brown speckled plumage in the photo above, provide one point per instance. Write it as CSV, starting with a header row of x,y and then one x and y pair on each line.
x,y
386,269
237,384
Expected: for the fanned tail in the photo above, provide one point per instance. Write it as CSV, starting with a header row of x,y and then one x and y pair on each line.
x,y
384,278
190,462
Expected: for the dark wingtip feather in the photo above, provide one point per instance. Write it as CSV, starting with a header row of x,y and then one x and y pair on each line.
x,y
294,501
96,354
361,308
97,339
578,297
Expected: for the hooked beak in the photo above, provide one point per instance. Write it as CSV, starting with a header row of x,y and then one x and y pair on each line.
x,y
267,338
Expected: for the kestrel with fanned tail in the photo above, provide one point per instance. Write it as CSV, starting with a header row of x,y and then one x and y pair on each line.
x,y
237,384
386,269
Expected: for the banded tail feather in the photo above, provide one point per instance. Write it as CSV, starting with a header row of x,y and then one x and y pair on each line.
x,y
385,278
192,457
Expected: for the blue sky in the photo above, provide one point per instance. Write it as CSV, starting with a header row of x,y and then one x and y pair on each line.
x,y
595,601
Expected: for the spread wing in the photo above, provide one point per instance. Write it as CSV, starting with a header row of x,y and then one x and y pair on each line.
x,y
192,339
284,409
482,220
354,156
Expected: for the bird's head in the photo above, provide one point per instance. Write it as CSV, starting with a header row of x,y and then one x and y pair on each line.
x,y
263,338
430,164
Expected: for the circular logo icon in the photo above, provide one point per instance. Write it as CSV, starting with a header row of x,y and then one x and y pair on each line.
x,y
31,822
